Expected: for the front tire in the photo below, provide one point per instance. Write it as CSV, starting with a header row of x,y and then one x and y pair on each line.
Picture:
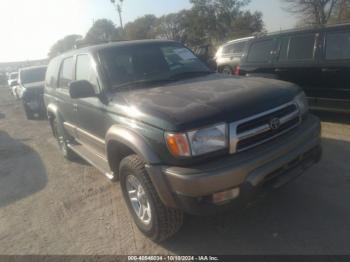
x,y
62,139
155,220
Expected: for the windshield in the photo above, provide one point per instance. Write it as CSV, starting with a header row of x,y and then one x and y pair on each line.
x,y
14,76
33,75
150,63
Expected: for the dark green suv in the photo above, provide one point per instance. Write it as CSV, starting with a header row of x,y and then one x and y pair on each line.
x,y
177,136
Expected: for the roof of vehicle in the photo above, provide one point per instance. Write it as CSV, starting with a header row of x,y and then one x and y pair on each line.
x,y
239,40
95,48
32,67
305,30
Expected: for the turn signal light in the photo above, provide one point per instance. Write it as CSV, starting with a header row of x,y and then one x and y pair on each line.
x,y
178,145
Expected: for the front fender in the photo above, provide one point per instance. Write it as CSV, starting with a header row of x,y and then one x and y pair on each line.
x,y
134,141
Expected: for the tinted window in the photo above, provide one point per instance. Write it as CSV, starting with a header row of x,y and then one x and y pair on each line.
x,y
85,70
66,73
338,46
14,76
301,47
238,47
32,75
283,49
227,49
260,51
148,63
234,48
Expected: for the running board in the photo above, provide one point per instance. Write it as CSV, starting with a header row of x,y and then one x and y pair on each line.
x,y
97,161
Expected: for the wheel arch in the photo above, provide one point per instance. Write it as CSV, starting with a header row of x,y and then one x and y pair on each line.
x,y
121,142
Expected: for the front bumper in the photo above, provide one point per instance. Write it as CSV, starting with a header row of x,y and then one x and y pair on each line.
x,y
264,167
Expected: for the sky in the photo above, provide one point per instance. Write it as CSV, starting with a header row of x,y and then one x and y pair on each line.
x,y
29,28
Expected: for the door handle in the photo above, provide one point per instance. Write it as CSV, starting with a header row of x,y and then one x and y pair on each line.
x,y
330,70
75,107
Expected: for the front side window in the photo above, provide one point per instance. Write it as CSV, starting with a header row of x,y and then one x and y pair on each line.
x,y
32,75
147,63
261,51
13,76
66,73
85,69
338,46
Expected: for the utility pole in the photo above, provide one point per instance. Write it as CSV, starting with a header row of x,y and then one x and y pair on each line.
x,y
118,7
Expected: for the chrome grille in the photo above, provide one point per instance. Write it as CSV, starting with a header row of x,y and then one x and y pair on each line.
x,y
258,129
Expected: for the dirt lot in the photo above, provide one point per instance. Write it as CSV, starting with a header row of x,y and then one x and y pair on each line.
x,y
51,206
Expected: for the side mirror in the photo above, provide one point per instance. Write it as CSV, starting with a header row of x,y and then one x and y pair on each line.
x,y
81,89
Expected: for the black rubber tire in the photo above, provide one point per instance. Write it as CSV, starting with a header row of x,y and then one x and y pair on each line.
x,y
165,221
28,112
62,140
227,70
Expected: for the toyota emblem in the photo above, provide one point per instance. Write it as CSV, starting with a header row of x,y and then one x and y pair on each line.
x,y
275,123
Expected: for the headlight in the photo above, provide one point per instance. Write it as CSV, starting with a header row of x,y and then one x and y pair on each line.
x,y
198,142
302,103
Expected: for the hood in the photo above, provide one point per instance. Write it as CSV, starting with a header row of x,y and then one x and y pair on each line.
x,y
201,101
34,85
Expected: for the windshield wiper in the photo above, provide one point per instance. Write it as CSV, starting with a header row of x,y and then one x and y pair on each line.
x,y
185,75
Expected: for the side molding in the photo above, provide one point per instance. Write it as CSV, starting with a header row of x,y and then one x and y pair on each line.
x,y
133,141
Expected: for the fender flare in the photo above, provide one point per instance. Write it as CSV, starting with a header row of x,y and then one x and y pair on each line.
x,y
52,109
132,140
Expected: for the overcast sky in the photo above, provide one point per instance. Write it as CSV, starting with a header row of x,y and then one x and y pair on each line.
x,y
29,28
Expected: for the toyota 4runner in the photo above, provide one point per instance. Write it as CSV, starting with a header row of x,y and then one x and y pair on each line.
x,y
177,136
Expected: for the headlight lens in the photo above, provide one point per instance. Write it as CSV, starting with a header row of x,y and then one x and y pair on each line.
x,y
302,103
208,140
198,142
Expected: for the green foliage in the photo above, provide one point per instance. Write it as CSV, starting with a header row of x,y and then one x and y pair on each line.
x,y
206,22
64,45
142,28
103,30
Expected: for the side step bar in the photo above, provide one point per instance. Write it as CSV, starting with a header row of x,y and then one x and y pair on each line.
x,y
97,161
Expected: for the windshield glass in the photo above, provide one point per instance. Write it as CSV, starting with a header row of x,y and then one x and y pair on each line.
x,y
14,76
150,63
33,75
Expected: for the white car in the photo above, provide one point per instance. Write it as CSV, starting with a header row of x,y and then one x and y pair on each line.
x,y
228,56
14,91
13,78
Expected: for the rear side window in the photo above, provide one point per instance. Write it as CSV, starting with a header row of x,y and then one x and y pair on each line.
x,y
338,46
301,47
66,73
52,74
235,48
261,51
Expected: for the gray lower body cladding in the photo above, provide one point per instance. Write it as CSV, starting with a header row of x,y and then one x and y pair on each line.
x,y
265,167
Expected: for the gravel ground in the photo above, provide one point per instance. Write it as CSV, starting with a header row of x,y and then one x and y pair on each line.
x,y
51,206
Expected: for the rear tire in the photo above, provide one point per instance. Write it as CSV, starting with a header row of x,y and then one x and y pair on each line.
x,y
159,222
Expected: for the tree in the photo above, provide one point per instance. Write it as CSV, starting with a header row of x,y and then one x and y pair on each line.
x,y
103,30
172,27
342,12
63,45
215,21
142,28
312,12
